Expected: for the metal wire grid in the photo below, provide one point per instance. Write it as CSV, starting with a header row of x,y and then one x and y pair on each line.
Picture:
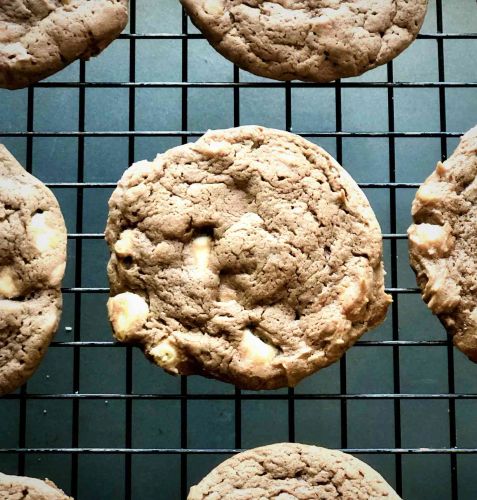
x,y
79,236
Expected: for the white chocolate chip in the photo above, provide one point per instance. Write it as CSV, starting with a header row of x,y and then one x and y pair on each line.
x,y
213,148
128,313
351,297
49,321
441,169
473,316
256,350
57,274
45,235
431,238
124,246
164,354
441,292
430,192
355,295
9,287
227,294
214,7
201,248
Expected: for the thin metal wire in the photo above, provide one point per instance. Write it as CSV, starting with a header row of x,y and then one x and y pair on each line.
x,y
394,281
199,36
450,348
246,396
195,133
23,390
185,126
30,134
129,350
238,392
228,451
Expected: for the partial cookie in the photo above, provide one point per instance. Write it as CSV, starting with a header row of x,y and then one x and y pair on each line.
x,y
318,41
443,242
19,488
32,265
249,256
40,37
288,471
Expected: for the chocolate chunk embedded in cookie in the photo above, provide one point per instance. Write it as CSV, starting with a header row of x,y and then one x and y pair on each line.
x,y
250,256
18,488
40,37
442,243
310,40
32,265
289,471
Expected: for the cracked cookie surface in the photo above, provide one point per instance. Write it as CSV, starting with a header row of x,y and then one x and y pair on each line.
x,y
40,37
310,40
442,243
27,488
249,256
288,471
32,265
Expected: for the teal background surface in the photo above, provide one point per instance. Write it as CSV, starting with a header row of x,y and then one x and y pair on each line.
x,y
76,398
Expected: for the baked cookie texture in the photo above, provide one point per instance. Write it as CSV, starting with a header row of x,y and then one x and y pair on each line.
x,y
32,265
40,37
442,243
288,471
249,256
310,40
27,488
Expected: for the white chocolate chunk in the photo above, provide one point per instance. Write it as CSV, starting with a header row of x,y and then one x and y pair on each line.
x,y
473,316
430,238
441,169
256,350
164,354
354,297
214,7
124,246
429,193
441,292
45,236
128,313
201,248
57,274
227,294
9,287
49,321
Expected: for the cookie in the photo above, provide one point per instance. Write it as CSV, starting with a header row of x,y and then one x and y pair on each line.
x,y
316,41
32,265
40,37
249,256
442,243
19,488
288,471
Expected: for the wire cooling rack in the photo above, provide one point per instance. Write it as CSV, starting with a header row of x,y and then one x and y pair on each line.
x,y
184,462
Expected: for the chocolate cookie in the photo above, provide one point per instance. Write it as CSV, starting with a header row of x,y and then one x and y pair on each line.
x,y
32,265
40,37
310,40
249,256
289,471
19,488
442,243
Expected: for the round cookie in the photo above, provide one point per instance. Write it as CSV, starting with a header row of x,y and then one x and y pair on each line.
x,y
17,488
442,243
32,265
249,256
310,40
288,471
40,37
